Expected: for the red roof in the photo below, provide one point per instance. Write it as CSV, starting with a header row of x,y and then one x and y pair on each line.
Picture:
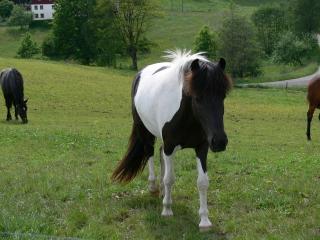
x,y
42,2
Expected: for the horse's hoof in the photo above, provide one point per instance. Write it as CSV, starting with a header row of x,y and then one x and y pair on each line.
x,y
153,188
167,213
205,225
205,229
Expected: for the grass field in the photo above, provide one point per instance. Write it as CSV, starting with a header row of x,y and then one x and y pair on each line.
x,y
55,171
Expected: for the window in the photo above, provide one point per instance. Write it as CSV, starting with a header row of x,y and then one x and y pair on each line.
x,y
42,15
36,16
41,7
36,7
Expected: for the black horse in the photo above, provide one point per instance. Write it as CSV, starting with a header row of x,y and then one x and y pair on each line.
x,y
12,87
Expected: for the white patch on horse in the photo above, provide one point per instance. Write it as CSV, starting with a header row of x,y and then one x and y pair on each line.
x,y
203,184
152,176
159,95
168,180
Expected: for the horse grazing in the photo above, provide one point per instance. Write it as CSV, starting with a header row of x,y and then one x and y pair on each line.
x,y
11,82
313,97
182,103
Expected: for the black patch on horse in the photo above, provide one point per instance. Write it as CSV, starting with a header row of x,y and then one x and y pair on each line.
x,y
160,69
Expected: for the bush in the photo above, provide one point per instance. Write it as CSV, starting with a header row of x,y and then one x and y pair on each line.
x,y
6,7
48,47
270,23
20,17
206,42
28,48
238,46
291,49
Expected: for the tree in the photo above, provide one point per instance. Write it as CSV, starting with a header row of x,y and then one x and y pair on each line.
x,y
6,7
48,47
306,16
132,18
238,45
291,50
108,41
270,23
28,48
73,37
206,42
20,17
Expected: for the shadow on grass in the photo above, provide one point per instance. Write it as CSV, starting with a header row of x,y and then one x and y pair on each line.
x,y
12,122
183,225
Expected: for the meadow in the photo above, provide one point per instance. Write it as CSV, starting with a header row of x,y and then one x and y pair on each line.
x,y
55,171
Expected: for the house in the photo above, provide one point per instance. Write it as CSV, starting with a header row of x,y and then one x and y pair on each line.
x,y
42,9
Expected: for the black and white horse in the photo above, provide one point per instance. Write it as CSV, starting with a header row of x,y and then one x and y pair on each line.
x,y
182,103
11,82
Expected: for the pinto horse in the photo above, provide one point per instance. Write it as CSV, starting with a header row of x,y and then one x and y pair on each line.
x,y
182,103
313,98
11,82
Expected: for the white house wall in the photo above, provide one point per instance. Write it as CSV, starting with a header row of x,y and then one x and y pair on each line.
x,y
47,11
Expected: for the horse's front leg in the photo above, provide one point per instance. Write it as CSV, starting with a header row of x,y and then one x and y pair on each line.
x,y
168,181
8,104
203,184
309,119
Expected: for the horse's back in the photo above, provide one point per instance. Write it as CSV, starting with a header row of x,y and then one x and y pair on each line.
x,y
12,83
158,96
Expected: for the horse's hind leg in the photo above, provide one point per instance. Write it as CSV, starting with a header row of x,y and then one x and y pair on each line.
x,y
309,118
16,112
153,187
168,179
9,105
162,172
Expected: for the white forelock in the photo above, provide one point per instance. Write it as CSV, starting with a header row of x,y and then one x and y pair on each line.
x,y
183,58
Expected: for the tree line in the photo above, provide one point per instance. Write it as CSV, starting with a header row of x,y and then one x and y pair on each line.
x,y
285,34
97,31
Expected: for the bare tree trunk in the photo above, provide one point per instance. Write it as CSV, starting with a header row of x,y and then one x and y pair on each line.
x,y
134,58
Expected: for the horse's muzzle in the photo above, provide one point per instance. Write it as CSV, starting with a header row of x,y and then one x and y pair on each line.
x,y
219,145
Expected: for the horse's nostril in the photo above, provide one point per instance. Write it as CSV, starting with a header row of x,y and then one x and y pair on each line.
x,y
218,145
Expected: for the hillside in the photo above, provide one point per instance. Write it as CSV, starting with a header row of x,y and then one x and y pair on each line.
x,y
176,29
55,171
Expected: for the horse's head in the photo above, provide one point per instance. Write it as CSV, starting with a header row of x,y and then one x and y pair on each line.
x,y
207,85
22,111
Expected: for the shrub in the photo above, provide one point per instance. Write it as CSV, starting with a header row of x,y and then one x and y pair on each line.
x,y
6,7
238,46
28,48
48,47
20,17
206,42
270,23
291,49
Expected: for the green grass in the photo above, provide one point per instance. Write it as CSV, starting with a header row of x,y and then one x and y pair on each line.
x,y
11,37
55,171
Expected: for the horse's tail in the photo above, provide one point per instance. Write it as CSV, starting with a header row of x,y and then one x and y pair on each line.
x,y
139,150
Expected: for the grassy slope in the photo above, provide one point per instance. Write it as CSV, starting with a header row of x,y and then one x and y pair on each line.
x,y
55,171
178,30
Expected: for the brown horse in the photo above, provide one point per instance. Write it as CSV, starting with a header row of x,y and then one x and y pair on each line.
x,y
313,99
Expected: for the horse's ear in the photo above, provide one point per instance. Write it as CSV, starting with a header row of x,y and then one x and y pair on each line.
x,y
222,64
195,65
